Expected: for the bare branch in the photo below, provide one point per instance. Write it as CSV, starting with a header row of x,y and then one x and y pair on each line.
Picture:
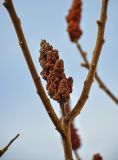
x,y
92,69
23,44
8,145
97,77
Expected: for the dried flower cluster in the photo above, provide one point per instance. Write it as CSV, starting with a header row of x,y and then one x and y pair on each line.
x,y
75,139
97,157
73,19
59,87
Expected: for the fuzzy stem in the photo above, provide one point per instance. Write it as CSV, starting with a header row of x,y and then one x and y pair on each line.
x,y
23,44
97,77
92,69
8,145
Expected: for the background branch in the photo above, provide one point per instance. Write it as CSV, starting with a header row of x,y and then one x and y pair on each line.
x,y
23,44
98,79
76,155
8,145
92,69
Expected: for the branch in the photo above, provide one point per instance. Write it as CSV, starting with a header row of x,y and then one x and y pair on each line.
x,y
73,134
8,145
67,145
92,69
76,155
98,79
23,44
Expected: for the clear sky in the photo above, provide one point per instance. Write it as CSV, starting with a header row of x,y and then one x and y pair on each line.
x,y
21,110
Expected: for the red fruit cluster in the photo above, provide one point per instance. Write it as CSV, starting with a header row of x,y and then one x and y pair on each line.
x,y
97,157
59,87
75,140
73,19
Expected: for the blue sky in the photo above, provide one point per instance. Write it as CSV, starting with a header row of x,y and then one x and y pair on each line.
x,y
21,110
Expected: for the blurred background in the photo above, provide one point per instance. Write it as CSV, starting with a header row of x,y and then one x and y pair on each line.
x,y
21,110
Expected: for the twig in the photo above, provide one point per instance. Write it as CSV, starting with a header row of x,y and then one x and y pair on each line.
x,y
76,154
8,145
98,79
92,69
23,44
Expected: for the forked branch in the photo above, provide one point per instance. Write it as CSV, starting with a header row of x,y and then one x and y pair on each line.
x,y
101,84
92,69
